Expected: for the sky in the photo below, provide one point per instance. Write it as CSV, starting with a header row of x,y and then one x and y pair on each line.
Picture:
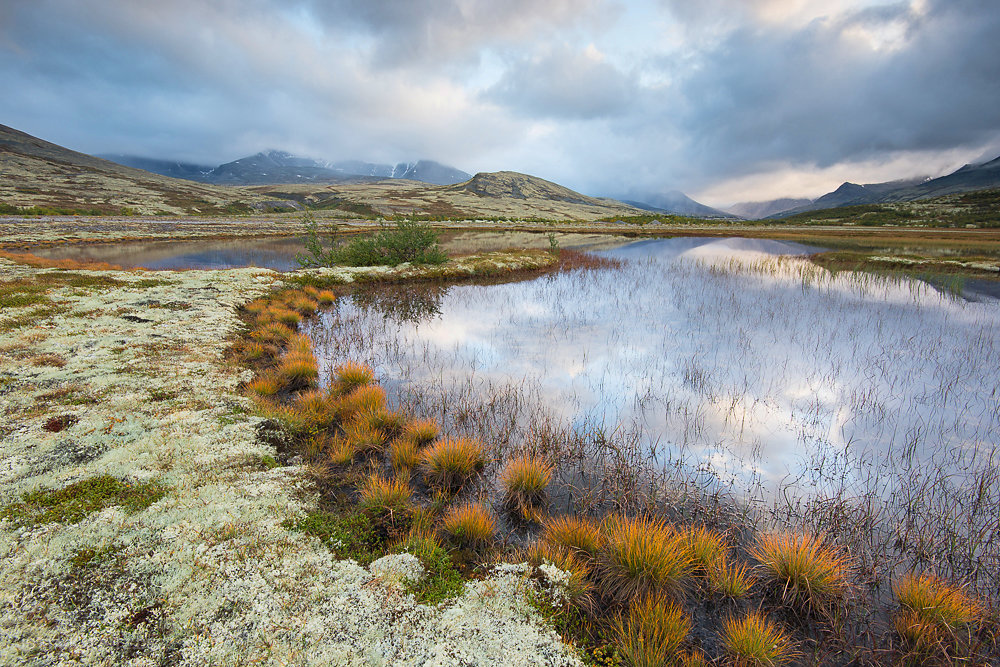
x,y
725,100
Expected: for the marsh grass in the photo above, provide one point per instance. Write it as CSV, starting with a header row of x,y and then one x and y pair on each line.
x,y
755,641
421,431
524,481
449,464
387,501
802,568
652,633
643,556
468,526
403,455
936,619
578,534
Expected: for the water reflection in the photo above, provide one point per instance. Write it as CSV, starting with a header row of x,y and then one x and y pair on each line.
x,y
757,367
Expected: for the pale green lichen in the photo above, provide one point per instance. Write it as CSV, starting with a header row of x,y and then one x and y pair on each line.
x,y
208,574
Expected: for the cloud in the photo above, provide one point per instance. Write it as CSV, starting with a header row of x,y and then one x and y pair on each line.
x,y
565,83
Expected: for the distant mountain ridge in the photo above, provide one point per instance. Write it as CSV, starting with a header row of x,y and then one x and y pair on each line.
x,y
275,167
968,178
757,210
674,202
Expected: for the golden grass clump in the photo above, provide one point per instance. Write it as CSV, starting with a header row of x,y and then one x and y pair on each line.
x,y
387,421
708,548
264,385
326,297
576,533
301,303
273,333
802,567
298,364
450,463
524,481
343,451
643,556
368,399
285,316
732,580
754,641
317,408
421,431
933,611
403,455
387,500
350,376
362,437
652,633
468,526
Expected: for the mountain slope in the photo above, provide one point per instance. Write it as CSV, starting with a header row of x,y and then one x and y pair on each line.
x,y
36,172
674,202
758,210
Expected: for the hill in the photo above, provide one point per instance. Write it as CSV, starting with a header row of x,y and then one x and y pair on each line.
x,y
39,173
675,203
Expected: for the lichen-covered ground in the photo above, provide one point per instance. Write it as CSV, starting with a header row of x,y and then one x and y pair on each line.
x,y
133,363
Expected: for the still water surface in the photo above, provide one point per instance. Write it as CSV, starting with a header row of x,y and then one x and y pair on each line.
x,y
735,355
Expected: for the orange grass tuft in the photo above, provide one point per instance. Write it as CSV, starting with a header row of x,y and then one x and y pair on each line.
x,y
652,633
469,526
450,463
576,533
643,556
804,569
524,481
421,431
933,609
350,376
387,500
754,641
367,399
403,454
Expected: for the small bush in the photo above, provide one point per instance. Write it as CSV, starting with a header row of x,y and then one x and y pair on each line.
x,y
805,570
524,482
754,641
409,241
576,533
643,556
468,526
450,463
653,632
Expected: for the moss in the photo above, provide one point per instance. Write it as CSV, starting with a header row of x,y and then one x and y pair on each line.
x,y
441,580
74,502
349,535
89,557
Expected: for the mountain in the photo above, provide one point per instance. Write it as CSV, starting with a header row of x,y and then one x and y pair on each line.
x,y
39,173
758,210
186,170
486,195
674,202
273,167
969,178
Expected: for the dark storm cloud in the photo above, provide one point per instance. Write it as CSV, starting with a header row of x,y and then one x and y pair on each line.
x,y
876,81
565,83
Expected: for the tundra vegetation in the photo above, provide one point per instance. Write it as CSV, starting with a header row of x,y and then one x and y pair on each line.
x,y
633,561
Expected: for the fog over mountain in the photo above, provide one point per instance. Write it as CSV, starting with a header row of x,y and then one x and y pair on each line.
x,y
725,100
